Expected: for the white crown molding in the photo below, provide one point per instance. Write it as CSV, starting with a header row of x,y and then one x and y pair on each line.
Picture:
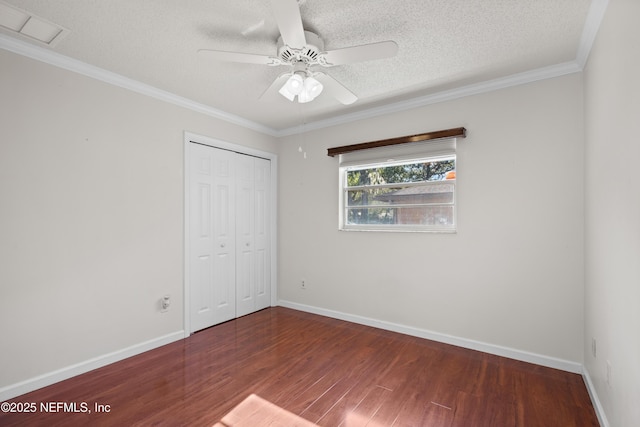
x,y
524,356
53,58
438,97
590,30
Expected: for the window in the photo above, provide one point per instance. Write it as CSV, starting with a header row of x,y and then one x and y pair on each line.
x,y
399,184
414,195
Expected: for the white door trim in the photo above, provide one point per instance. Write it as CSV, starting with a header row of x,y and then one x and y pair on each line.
x,y
190,137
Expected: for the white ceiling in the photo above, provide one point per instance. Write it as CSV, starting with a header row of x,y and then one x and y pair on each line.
x,y
443,45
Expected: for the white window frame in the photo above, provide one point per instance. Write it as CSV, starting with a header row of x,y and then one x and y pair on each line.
x,y
389,156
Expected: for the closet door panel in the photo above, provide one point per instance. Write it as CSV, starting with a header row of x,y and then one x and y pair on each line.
x,y
212,237
245,256
262,226
201,238
224,237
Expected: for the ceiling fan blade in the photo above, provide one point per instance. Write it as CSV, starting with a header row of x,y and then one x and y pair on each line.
x,y
334,88
287,13
247,58
277,84
367,52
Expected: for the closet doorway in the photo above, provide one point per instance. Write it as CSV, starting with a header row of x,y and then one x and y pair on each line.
x,y
229,231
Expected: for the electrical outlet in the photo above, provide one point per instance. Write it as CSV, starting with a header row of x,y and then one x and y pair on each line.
x,y
303,284
608,373
165,303
593,347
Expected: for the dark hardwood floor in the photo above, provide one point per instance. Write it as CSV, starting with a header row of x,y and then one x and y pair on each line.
x,y
330,372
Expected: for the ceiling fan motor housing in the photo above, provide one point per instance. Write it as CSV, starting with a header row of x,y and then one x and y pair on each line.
x,y
308,54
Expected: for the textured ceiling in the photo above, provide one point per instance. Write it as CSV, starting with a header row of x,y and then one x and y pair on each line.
x,y
443,44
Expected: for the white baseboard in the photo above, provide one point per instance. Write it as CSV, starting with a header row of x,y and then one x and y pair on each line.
x,y
597,405
524,356
538,359
14,390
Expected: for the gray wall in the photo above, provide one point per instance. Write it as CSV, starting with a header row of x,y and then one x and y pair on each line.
x,y
91,219
512,276
612,310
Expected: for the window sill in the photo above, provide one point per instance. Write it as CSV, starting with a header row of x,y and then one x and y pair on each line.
x,y
399,230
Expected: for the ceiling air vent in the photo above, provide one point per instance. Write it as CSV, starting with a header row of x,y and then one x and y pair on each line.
x,y
26,24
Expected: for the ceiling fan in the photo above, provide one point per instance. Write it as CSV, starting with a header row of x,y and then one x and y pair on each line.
x,y
300,49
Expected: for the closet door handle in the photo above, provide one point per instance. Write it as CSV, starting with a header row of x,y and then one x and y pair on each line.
x,y
222,245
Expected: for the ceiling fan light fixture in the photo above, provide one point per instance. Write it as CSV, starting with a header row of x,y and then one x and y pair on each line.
x,y
284,91
306,88
312,87
295,84
302,50
304,97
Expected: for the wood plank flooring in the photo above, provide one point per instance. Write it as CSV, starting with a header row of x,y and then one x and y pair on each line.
x,y
327,371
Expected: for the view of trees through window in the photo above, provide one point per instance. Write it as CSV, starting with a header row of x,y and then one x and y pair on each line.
x,y
410,193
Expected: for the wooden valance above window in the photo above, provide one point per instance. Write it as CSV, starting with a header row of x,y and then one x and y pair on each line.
x,y
440,134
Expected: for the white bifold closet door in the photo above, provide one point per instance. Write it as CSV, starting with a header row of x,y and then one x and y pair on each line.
x,y
229,228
